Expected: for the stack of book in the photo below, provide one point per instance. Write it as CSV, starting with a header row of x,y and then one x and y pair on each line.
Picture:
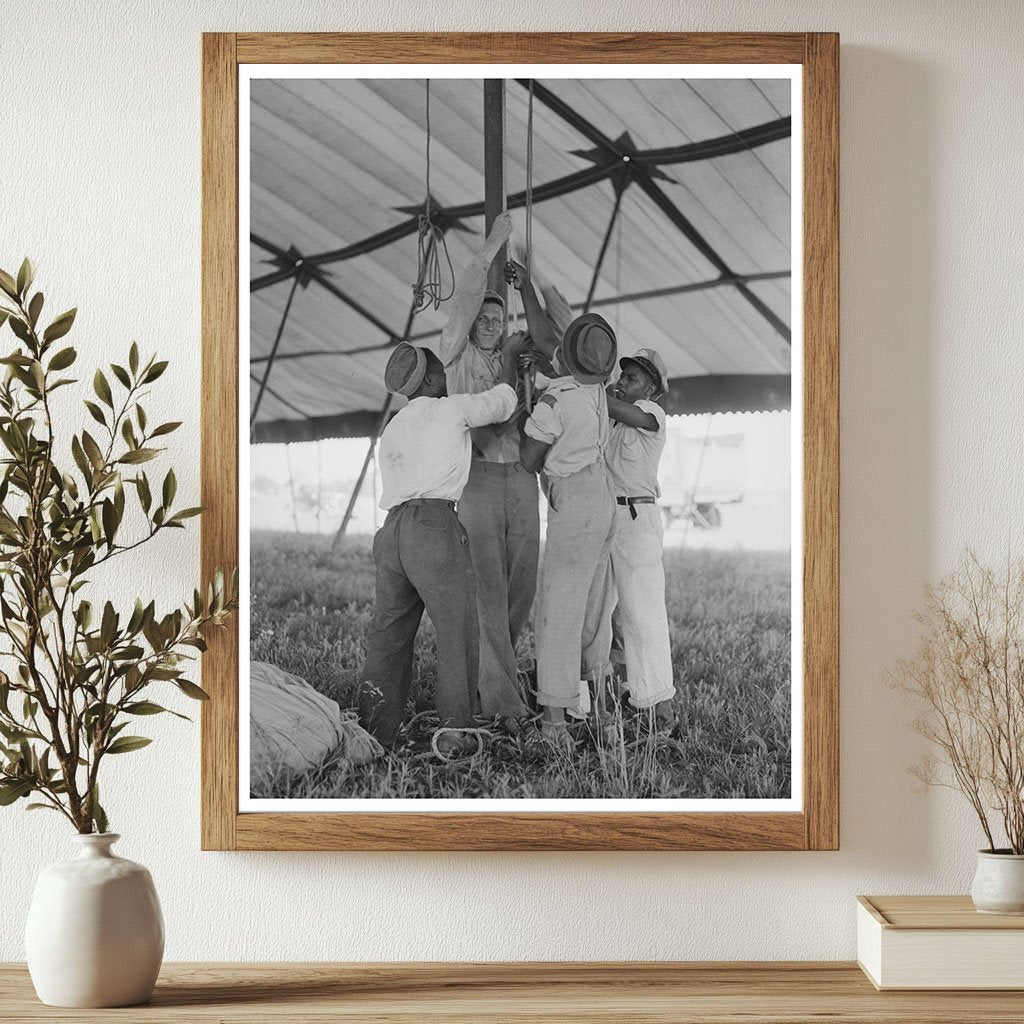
x,y
938,942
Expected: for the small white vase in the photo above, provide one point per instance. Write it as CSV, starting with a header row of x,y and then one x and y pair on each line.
x,y
95,934
999,883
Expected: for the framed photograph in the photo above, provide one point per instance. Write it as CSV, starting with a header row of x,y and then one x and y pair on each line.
x,y
520,420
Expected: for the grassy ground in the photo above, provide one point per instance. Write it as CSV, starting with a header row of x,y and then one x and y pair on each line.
x,y
730,627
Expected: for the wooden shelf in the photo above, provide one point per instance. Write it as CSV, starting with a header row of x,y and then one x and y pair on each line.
x,y
688,993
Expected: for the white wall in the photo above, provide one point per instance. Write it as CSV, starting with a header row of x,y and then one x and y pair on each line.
x,y
99,182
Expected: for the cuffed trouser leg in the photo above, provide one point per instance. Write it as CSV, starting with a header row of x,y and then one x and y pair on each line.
x,y
579,527
638,577
422,558
499,511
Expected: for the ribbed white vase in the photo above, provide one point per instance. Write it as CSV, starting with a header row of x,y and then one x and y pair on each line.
x,y
95,933
999,883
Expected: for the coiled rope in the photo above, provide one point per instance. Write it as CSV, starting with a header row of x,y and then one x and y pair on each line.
x,y
433,262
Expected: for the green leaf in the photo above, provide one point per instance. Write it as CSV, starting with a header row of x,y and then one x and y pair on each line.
x,y
108,627
170,487
139,455
102,388
34,308
99,816
60,326
140,415
191,690
14,790
121,374
155,371
4,314
8,284
145,497
133,358
92,449
80,459
26,273
128,433
95,412
165,428
20,329
125,744
63,359
42,807
144,707
186,513
109,521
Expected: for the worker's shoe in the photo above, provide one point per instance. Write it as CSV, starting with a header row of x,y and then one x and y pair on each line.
x,y
556,738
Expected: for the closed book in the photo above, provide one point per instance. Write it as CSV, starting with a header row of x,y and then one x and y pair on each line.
x,y
938,942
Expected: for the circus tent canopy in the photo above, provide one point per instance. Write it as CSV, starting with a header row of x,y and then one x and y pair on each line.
x,y
666,200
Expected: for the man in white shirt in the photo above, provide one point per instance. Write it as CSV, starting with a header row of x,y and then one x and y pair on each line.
x,y
567,436
421,553
499,506
636,583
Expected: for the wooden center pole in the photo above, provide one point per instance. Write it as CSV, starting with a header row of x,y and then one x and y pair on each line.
x,y
494,173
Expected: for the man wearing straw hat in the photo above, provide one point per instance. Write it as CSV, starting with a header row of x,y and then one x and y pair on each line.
x,y
499,506
567,435
636,583
421,553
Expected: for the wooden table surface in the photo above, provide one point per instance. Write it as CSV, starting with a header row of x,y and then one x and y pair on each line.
x,y
665,993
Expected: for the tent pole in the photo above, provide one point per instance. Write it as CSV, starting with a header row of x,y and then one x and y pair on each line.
x,y
273,351
382,420
604,248
381,423
494,173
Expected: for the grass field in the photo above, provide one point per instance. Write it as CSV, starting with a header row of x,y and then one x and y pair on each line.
x,y
729,615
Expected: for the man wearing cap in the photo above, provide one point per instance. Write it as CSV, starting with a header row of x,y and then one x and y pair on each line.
x,y
567,435
499,506
421,552
636,583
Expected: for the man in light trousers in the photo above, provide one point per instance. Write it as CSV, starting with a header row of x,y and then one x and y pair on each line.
x,y
567,435
636,583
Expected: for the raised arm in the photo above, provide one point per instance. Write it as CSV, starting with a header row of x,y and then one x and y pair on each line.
x,y
470,286
540,328
628,413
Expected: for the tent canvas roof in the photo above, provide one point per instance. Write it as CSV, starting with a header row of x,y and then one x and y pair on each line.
x,y
697,264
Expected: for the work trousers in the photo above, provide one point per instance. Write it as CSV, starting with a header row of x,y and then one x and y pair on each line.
x,y
635,593
499,510
421,554
573,633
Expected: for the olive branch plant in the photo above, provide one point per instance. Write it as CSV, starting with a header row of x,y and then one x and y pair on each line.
x,y
966,681
80,675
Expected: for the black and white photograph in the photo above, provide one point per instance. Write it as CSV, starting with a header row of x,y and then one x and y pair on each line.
x,y
520,483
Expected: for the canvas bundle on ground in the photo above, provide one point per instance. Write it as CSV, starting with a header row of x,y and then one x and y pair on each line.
x,y
295,729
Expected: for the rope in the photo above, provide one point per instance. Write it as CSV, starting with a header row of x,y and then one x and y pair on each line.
x,y
477,734
529,181
433,267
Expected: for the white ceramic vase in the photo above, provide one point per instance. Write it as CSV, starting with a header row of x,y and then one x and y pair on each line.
x,y
999,883
95,934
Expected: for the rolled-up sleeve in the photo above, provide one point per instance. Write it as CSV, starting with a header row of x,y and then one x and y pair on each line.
x,y
545,423
492,406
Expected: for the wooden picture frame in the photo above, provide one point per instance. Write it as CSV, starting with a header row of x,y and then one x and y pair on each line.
x,y
816,826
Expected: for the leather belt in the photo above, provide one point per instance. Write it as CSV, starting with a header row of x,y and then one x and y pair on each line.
x,y
635,500
426,502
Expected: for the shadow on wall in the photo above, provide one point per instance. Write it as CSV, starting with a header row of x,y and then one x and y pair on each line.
x,y
887,297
